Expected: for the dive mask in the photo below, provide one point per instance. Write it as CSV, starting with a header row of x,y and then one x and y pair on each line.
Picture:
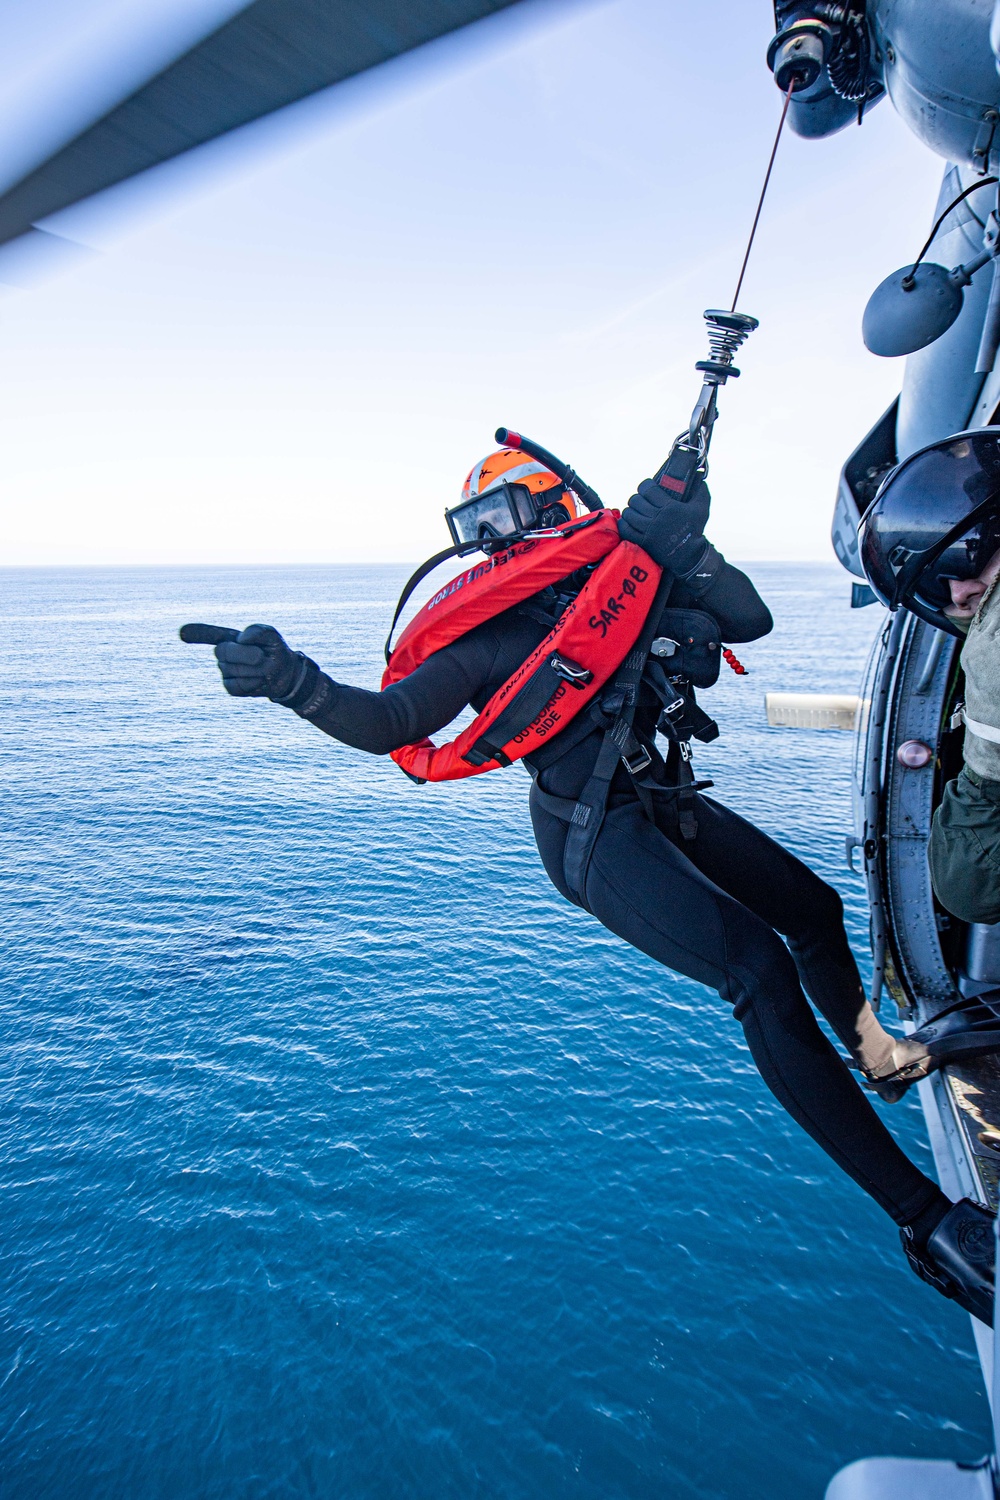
x,y
506,510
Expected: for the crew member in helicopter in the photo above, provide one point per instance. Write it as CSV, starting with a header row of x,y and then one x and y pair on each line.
x,y
931,543
574,641
964,847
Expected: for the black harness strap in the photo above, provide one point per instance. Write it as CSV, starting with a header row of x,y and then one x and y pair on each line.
x,y
687,820
565,808
418,577
620,744
559,807
526,706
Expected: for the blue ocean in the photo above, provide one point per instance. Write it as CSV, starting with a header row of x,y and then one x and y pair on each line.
x,y
340,1157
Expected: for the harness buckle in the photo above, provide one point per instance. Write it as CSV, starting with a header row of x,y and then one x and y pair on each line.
x,y
637,761
570,670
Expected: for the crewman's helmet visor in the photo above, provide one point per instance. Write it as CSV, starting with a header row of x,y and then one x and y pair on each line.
x,y
935,517
505,510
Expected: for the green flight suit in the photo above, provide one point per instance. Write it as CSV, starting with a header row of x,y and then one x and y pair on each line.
x,y
964,848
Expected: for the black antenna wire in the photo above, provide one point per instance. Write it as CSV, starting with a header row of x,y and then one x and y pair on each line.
x,y
983,182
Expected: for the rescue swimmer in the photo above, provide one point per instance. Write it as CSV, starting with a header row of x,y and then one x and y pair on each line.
x,y
581,635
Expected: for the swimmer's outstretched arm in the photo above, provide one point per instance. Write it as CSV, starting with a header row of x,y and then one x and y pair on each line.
x,y
257,663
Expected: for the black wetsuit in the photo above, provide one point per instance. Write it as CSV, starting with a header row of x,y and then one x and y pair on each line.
x,y
710,907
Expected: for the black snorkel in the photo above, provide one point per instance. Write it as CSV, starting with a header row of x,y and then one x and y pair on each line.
x,y
508,438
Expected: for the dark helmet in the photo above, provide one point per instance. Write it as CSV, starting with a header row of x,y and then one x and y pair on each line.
x,y
936,516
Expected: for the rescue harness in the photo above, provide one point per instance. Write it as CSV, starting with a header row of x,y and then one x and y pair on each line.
x,y
589,666
566,670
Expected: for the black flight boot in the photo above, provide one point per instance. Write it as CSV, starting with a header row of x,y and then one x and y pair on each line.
x,y
959,1257
967,1029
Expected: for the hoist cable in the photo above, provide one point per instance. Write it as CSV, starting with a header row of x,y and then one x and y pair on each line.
x,y
763,193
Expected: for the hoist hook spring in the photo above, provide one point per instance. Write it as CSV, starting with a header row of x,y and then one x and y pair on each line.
x,y
727,333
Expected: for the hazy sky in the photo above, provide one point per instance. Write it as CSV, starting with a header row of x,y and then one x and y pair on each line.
x,y
293,348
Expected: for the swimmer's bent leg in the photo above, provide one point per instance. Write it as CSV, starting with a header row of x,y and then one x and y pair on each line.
x,y
789,896
646,890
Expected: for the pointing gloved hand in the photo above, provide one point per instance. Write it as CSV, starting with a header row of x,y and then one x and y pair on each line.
x,y
256,663
670,530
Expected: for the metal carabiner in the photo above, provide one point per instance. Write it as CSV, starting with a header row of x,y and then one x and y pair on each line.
x,y
570,670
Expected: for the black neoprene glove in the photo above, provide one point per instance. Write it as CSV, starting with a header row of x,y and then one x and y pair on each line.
x,y
256,663
670,530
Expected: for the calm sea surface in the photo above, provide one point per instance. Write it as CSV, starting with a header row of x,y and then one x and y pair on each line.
x,y
340,1157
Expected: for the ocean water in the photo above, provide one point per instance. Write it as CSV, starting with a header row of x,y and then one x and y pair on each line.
x,y
340,1157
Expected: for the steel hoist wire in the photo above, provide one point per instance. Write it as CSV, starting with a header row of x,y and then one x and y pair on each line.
x,y
687,461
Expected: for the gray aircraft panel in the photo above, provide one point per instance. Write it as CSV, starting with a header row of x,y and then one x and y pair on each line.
x,y
940,386
270,54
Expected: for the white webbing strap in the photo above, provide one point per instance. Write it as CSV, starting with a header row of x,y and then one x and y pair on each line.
x,y
982,731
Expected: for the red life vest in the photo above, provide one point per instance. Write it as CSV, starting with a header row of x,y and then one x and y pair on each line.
x,y
590,641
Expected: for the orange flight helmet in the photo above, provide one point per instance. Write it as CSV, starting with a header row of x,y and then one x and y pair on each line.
x,y
508,492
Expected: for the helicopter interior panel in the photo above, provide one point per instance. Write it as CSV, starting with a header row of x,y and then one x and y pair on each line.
x,y
860,477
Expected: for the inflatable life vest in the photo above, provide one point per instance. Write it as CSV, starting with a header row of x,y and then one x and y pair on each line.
x,y
587,645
